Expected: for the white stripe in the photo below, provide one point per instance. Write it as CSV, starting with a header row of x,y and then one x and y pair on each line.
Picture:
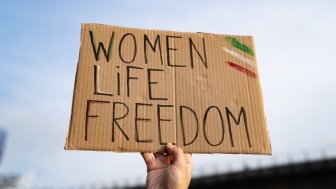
x,y
240,57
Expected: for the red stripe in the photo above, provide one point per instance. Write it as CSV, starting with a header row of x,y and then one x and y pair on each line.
x,y
242,69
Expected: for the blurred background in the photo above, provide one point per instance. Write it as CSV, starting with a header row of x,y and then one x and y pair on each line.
x,y
295,43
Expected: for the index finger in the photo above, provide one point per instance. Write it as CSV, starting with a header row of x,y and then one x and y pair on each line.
x,y
148,158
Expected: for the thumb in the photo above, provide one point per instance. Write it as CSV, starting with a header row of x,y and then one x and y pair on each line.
x,y
176,153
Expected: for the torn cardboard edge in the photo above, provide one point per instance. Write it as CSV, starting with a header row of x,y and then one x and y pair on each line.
x,y
135,111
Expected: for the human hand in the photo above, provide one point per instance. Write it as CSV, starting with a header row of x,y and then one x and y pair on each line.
x,y
170,171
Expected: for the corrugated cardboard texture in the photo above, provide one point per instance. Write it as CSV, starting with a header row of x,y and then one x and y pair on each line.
x,y
137,90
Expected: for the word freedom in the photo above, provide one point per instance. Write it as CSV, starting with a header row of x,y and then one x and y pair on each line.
x,y
156,121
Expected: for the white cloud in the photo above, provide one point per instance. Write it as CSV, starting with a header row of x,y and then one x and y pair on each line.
x,y
27,180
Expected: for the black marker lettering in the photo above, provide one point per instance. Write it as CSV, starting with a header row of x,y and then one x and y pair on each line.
x,y
242,112
114,119
153,47
204,58
96,82
128,70
160,120
96,51
134,49
169,48
204,124
185,143
150,83
87,114
118,82
137,118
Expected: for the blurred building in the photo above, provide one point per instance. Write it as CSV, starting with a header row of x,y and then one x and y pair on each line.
x,y
9,181
6,180
310,174
3,135
305,175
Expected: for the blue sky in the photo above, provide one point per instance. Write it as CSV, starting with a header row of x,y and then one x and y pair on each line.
x,y
295,44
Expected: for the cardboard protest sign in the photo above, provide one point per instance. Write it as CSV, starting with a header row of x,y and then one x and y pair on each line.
x,y
138,89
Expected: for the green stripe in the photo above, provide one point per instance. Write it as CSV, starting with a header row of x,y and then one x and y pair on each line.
x,y
234,42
